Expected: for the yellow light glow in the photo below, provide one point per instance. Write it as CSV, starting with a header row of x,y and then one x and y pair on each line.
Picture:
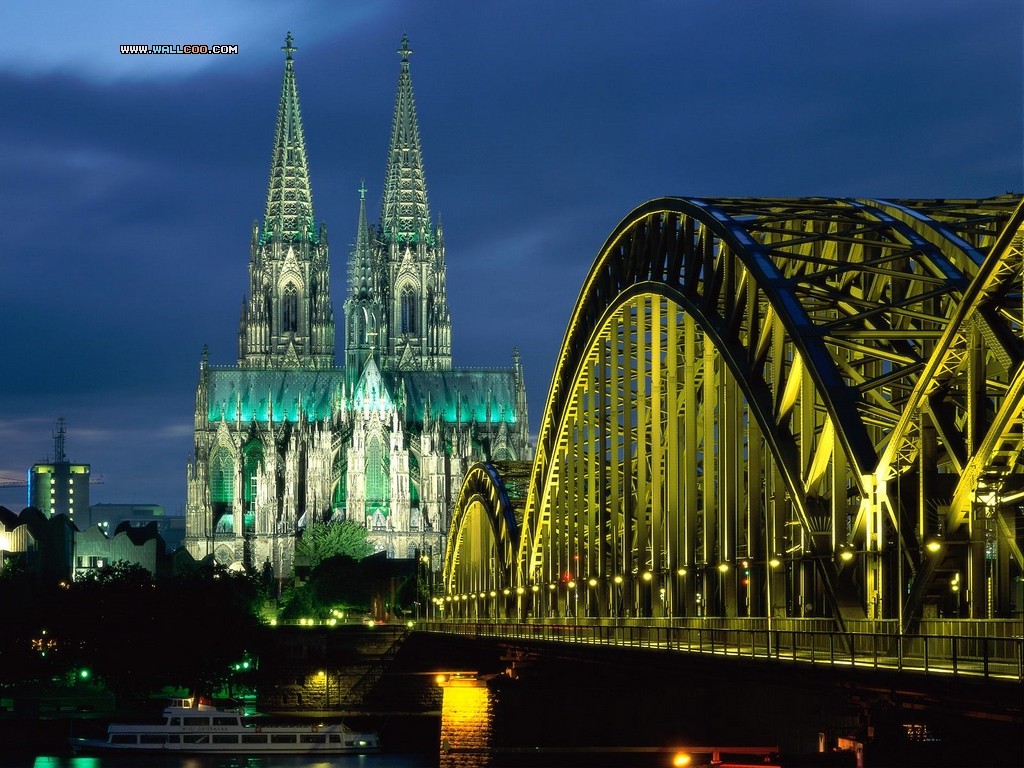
x,y
571,584
441,679
681,759
618,579
648,575
535,588
592,581
846,555
681,572
520,590
933,545
723,567
775,562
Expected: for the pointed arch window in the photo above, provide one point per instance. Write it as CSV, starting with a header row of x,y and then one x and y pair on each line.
x,y
408,308
290,310
253,466
222,477
378,481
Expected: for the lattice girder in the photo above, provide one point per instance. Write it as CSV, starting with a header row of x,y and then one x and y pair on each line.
x,y
824,312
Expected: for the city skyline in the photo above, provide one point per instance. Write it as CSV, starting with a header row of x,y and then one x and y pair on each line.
x,y
133,181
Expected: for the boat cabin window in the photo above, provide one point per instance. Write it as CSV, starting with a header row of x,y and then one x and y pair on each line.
x,y
196,720
225,738
225,721
196,738
334,739
174,721
151,738
254,738
282,738
313,738
173,738
123,738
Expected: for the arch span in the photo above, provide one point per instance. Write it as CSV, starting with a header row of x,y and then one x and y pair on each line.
x,y
766,407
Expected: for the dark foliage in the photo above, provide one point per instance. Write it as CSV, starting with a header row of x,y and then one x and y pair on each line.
x,y
134,634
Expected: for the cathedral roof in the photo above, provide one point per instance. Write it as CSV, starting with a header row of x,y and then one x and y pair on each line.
x,y
255,393
457,395
404,211
451,395
289,211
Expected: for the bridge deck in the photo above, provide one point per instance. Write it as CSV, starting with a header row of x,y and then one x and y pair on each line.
x,y
956,655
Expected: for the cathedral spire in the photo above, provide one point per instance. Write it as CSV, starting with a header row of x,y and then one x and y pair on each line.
x,y
404,211
289,212
361,274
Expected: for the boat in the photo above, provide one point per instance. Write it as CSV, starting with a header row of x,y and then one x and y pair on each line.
x,y
195,725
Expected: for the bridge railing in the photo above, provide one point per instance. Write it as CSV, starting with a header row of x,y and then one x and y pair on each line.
x,y
998,656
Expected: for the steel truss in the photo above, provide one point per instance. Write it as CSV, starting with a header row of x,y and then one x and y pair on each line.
x,y
774,407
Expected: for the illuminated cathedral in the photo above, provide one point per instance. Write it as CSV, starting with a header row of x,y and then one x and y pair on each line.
x,y
286,436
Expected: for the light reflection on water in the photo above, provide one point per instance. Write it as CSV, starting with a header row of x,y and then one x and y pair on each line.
x,y
233,761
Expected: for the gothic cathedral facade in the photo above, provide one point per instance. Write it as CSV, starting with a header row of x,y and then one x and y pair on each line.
x,y
287,437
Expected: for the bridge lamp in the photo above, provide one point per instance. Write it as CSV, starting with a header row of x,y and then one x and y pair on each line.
x,y
617,579
592,581
506,591
551,585
775,562
520,590
647,575
680,760
933,545
723,567
846,553
535,588
681,572
492,593
571,584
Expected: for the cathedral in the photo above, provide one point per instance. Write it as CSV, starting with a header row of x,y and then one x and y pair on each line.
x,y
287,437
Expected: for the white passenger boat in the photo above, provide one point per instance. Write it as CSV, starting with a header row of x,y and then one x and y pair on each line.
x,y
192,725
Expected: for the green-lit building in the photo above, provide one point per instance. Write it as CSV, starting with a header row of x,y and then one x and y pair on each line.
x,y
286,436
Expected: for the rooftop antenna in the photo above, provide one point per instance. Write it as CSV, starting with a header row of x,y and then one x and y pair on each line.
x,y
58,443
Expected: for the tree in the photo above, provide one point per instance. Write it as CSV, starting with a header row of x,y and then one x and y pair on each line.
x,y
320,541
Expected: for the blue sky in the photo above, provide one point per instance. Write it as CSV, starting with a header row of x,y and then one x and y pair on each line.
x,y
129,184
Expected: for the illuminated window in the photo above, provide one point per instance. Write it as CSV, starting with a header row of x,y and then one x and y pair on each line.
x,y
222,477
290,310
408,311
377,479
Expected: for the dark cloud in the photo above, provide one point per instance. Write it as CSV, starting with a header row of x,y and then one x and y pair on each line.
x,y
129,186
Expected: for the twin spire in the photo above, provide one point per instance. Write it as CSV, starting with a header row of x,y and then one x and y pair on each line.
x,y
289,212
405,213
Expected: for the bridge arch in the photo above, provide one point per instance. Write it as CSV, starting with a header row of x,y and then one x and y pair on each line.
x,y
483,540
777,408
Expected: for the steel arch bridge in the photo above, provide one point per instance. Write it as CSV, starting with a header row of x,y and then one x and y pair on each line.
x,y
772,407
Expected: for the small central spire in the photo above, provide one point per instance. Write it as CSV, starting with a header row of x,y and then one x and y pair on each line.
x,y
405,50
288,48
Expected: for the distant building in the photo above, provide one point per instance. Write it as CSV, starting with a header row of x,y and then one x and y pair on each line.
x,y
285,438
138,545
59,487
109,517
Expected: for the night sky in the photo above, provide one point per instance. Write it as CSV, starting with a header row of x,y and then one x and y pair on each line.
x,y
129,184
